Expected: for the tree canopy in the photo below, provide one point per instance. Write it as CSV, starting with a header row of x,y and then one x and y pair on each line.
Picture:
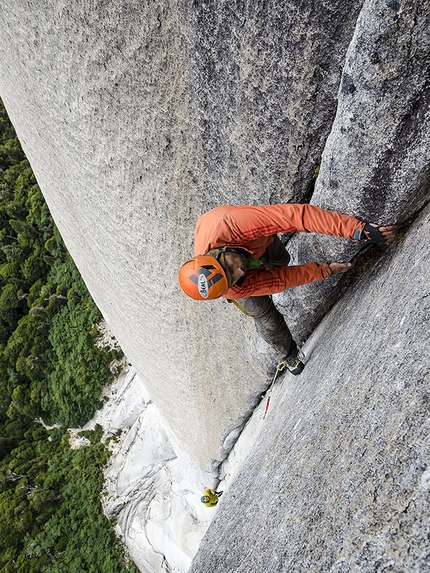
x,y
52,373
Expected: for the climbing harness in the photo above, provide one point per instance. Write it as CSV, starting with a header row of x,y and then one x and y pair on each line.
x,y
280,367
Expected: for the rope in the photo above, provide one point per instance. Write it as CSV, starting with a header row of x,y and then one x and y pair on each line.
x,y
279,368
240,307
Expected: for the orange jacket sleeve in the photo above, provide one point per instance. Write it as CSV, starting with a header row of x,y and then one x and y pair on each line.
x,y
249,222
262,281
253,226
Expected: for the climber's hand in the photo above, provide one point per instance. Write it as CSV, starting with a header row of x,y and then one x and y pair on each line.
x,y
338,268
379,235
389,233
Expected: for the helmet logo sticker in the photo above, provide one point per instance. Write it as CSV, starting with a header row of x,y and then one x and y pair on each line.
x,y
203,286
205,279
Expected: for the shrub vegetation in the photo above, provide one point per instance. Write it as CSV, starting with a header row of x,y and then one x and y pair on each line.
x,y
52,374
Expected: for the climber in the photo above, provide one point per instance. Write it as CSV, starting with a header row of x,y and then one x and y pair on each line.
x,y
210,497
239,256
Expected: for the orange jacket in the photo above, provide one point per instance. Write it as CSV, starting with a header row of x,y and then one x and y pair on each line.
x,y
251,228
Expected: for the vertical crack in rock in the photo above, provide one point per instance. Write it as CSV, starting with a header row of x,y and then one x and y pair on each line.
x,y
376,161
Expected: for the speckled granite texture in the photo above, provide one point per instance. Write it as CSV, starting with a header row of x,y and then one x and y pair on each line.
x,y
339,478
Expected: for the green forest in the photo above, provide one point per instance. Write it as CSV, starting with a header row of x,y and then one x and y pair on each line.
x,y
52,374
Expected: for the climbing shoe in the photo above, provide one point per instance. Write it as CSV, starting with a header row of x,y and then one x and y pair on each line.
x,y
292,362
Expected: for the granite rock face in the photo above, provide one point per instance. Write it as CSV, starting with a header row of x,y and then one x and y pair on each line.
x,y
139,116
338,480
136,118
376,161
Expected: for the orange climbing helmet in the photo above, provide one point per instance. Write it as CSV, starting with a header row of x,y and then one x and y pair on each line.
x,y
203,278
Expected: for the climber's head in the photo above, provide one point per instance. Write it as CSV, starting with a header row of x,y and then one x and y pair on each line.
x,y
206,277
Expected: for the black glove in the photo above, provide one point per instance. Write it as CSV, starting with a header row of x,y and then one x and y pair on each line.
x,y
373,234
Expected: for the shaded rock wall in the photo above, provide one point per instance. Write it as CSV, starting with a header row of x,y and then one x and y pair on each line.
x,y
264,78
376,161
136,118
338,480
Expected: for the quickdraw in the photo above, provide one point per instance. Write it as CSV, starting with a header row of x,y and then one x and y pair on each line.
x,y
279,368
